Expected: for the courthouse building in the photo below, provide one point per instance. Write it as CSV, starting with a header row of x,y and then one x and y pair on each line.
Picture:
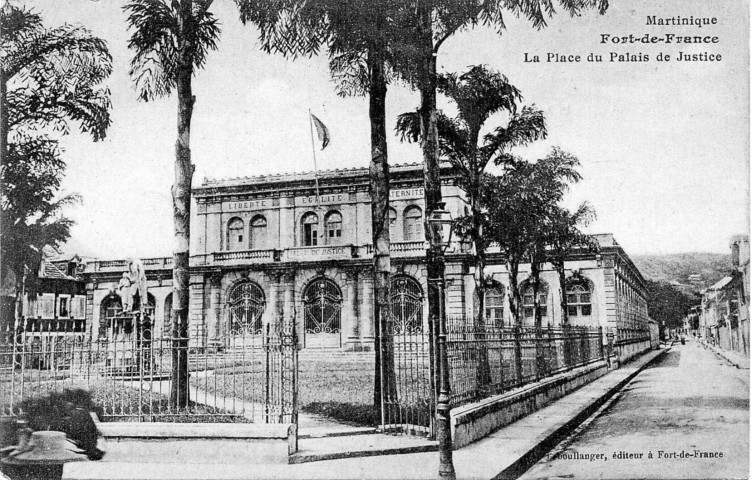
x,y
284,248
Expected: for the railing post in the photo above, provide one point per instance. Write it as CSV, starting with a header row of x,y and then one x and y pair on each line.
x,y
610,348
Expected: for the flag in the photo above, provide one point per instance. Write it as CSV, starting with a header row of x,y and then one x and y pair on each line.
x,y
322,130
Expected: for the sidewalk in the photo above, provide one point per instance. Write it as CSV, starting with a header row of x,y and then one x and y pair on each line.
x,y
735,358
510,449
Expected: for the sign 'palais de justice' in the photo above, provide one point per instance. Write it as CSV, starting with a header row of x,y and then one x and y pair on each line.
x,y
326,199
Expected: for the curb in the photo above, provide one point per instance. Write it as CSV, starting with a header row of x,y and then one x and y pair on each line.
x,y
525,462
297,458
720,352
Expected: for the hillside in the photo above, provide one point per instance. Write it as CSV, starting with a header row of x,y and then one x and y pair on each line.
x,y
678,266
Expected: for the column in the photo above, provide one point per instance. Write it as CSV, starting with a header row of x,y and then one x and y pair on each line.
x,y
367,327
349,313
215,308
288,299
272,304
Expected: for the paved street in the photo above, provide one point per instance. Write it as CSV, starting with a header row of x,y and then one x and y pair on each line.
x,y
686,416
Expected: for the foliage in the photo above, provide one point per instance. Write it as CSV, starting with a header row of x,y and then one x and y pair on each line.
x,y
50,79
668,304
678,266
156,39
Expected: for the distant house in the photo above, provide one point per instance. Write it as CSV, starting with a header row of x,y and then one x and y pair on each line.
x,y
724,316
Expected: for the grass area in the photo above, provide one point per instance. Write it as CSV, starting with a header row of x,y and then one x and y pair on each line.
x,y
330,387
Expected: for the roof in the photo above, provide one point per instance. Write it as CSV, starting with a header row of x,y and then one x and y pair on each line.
x,y
721,284
308,176
51,271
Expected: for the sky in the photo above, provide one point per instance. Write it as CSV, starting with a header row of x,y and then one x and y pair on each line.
x,y
663,146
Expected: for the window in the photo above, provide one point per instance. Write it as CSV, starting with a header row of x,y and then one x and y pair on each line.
x,y
413,224
47,304
494,306
246,305
63,306
579,299
235,229
528,300
333,228
78,307
392,224
257,232
310,230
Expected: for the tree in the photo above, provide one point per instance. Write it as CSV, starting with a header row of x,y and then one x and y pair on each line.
x,y
667,304
171,41
478,94
565,237
436,21
363,43
49,80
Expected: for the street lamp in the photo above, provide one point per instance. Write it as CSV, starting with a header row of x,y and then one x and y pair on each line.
x,y
441,227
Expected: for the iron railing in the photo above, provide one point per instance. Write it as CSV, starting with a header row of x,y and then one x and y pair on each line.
x,y
245,375
489,360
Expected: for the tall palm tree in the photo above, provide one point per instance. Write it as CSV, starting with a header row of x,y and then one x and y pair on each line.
x,y
171,39
478,94
49,79
363,41
436,21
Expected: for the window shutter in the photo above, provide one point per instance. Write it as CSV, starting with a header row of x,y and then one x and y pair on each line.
x,y
78,306
48,305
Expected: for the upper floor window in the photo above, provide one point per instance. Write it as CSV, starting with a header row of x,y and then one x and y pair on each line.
x,y
310,230
413,224
494,306
528,300
392,224
579,299
235,230
333,228
257,232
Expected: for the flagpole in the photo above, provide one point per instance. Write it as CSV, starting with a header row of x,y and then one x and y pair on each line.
x,y
315,163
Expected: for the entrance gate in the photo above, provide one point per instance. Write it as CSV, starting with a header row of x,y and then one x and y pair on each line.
x,y
408,394
323,314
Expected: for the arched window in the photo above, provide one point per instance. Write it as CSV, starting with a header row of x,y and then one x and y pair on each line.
x,y
406,305
111,309
310,229
323,313
333,228
392,224
494,306
413,224
528,300
246,305
167,323
235,229
579,298
257,232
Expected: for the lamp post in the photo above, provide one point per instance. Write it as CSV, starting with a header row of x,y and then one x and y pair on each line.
x,y
441,226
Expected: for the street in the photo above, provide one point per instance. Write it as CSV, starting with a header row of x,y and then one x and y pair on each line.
x,y
686,416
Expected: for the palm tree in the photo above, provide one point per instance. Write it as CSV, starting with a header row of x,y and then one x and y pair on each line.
x,y
478,94
436,21
49,78
171,39
363,40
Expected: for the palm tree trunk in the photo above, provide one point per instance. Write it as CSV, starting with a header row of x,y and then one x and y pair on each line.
x,y
515,302
560,268
539,352
4,126
483,363
427,84
385,376
179,394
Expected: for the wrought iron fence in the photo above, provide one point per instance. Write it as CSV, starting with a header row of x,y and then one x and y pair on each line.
x,y
245,375
408,390
489,360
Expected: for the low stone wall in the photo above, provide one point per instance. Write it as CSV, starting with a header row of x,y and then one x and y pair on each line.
x,y
161,442
477,420
627,351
